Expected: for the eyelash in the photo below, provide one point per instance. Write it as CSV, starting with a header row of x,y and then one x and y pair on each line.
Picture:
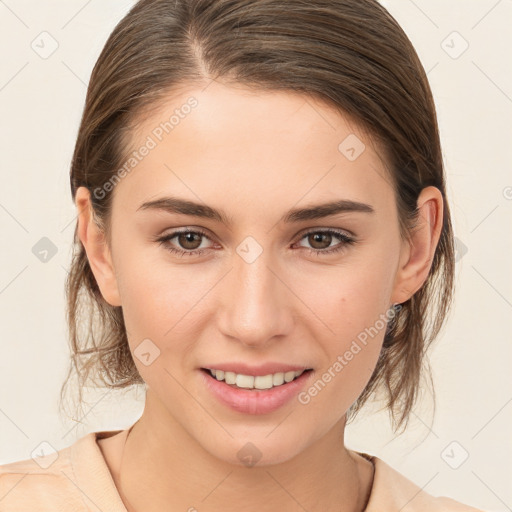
x,y
345,240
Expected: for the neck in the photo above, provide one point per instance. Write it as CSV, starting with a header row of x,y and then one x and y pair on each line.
x,y
162,462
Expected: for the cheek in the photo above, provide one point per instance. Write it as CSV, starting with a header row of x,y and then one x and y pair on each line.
x,y
355,307
147,302
359,324
163,303
354,297
154,294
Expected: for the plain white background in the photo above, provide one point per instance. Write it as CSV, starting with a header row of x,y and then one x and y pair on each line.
x,y
465,450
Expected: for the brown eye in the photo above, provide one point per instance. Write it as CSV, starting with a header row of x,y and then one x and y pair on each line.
x,y
185,242
189,240
320,240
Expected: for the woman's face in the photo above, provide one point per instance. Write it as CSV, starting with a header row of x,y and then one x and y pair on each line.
x,y
279,281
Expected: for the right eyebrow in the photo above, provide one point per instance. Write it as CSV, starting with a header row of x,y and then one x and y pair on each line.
x,y
319,211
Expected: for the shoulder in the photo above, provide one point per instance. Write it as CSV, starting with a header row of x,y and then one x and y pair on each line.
x,y
73,478
43,483
393,492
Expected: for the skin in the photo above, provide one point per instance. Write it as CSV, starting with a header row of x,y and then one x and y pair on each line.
x,y
256,155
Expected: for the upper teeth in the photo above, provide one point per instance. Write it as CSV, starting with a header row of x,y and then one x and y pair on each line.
x,y
258,382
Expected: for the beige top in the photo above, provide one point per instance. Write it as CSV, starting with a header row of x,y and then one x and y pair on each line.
x,y
79,480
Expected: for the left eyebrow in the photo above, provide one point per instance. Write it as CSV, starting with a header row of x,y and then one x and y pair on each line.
x,y
318,211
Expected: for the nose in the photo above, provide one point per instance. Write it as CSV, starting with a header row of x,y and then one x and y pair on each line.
x,y
255,304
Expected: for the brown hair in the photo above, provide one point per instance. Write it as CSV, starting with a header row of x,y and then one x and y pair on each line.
x,y
351,54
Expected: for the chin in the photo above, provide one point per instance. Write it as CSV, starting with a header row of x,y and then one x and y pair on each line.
x,y
257,451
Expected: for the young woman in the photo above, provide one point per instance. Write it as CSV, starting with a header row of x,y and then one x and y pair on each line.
x,y
263,241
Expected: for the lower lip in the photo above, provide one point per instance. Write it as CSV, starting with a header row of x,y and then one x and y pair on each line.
x,y
257,401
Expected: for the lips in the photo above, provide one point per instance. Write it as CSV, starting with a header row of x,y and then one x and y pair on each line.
x,y
254,400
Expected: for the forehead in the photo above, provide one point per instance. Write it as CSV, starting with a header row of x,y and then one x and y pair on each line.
x,y
253,149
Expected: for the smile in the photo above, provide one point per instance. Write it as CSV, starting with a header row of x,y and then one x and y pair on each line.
x,y
269,381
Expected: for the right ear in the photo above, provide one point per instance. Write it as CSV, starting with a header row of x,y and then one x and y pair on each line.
x,y
96,247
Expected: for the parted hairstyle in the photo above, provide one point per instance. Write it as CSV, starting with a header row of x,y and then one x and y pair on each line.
x,y
350,54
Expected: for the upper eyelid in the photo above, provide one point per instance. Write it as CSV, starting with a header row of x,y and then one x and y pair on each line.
x,y
339,231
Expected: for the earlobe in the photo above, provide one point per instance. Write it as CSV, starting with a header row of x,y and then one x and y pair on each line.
x,y
418,252
96,247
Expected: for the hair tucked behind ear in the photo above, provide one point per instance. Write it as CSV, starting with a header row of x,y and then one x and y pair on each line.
x,y
349,53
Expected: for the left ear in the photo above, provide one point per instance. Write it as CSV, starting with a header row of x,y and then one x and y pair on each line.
x,y
417,254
